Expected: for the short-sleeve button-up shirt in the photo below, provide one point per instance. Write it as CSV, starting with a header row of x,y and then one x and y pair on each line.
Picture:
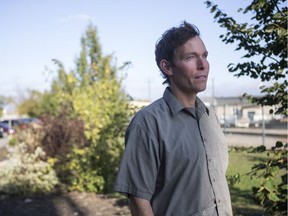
x,y
176,157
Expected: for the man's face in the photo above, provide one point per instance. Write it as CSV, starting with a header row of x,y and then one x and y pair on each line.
x,y
190,69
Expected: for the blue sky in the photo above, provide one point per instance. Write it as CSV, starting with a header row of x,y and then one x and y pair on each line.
x,y
35,31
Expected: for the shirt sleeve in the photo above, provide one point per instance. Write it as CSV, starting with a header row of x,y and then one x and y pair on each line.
x,y
139,165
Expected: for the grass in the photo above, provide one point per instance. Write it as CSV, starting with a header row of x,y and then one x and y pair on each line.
x,y
241,162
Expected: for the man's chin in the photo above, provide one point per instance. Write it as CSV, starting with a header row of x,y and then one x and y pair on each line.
x,y
202,89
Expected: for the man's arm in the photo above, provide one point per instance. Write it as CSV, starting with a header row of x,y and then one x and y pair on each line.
x,y
140,207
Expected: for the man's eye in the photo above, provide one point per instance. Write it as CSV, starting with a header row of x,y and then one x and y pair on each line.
x,y
190,56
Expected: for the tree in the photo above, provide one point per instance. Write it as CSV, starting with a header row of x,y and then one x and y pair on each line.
x,y
93,95
264,42
83,119
30,105
3,102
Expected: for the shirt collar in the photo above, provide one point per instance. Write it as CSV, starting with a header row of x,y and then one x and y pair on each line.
x,y
201,106
175,106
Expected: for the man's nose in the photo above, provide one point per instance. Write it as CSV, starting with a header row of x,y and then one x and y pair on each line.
x,y
200,64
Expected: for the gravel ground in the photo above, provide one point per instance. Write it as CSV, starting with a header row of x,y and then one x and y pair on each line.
x,y
71,204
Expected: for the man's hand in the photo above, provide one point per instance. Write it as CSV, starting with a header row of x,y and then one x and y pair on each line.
x,y
140,207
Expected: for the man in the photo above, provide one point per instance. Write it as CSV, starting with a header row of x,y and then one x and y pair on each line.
x,y
176,157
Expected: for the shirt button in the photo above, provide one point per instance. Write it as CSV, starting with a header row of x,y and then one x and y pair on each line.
x,y
218,200
209,160
214,179
204,140
204,213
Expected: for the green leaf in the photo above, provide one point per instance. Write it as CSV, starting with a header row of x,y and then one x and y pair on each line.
x,y
269,185
263,38
279,144
273,197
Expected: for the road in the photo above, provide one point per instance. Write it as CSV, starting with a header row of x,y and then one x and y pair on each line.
x,y
247,137
3,141
237,137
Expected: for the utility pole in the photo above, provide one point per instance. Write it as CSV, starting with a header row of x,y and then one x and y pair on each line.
x,y
263,127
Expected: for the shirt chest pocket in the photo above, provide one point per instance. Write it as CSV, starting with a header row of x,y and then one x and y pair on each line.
x,y
185,146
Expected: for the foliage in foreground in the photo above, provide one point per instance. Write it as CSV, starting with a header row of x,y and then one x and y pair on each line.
x,y
271,174
264,42
272,195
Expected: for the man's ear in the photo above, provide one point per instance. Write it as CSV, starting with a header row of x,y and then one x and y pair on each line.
x,y
166,67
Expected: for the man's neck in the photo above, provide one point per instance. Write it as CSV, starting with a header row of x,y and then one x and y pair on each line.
x,y
187,100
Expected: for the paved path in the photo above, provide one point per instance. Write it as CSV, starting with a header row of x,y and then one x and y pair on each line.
x,y
238,137
258,131
3,141
248,137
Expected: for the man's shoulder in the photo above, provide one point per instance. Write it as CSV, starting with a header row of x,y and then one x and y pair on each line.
x,y
155,110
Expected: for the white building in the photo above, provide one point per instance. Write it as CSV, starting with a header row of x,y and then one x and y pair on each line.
x,y
239,112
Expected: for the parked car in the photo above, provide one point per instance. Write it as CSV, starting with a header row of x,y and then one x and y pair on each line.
x,y
6,130
28,121
20,122
10,122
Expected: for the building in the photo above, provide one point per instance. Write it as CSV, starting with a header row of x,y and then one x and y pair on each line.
x,y
239,112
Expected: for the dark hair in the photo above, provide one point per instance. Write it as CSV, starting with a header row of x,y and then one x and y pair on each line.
x,y
170,41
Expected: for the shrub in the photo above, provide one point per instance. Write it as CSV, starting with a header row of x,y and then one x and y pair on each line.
x,y
61,134
272,194
27,172
76,162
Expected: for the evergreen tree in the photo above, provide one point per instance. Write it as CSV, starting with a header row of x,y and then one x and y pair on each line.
x,y
93,94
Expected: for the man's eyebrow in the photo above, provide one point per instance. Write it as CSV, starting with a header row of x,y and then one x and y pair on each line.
x,y
206,53
195,53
